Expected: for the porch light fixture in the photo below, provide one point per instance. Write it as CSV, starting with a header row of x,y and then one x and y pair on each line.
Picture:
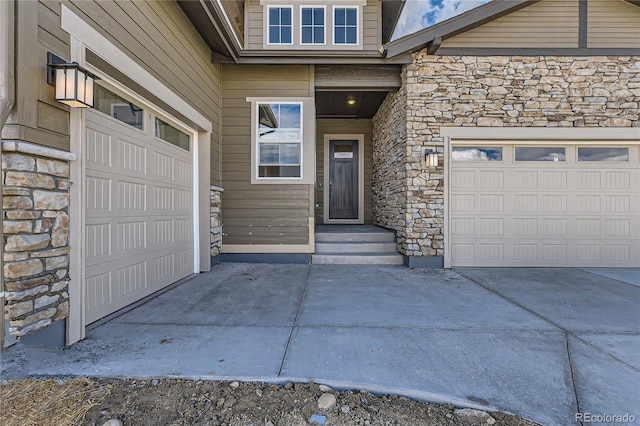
x,y
429,158
73,84
351,100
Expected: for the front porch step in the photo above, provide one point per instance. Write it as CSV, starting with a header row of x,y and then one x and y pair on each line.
x,y
357,259
356,247
355,237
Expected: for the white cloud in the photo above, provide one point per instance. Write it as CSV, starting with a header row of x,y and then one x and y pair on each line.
x,y
470,154
419,14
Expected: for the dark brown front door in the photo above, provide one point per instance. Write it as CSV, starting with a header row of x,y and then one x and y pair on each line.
x,y
343,179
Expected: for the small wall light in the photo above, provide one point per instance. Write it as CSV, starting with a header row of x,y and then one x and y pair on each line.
x,y
429,158
73,84
351,100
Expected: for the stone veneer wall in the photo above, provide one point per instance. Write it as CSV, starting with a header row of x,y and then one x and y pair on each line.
x,y
216,220
35,199
389,163
496,91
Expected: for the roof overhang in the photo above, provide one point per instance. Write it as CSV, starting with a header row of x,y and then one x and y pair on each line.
x,y
214,25
431,37
391,11
221,22
636,2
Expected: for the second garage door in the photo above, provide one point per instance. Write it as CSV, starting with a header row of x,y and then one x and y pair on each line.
x,y
139,205
551,204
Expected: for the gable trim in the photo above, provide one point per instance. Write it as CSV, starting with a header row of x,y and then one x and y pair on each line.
x,y
454,26
516,51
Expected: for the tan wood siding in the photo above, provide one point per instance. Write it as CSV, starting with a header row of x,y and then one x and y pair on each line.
x,y
254,27
613,23
158,36
372,25
549,23
336,126
259,214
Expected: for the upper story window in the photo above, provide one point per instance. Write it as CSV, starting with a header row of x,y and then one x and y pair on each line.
x,y
280,25
345,25
312,25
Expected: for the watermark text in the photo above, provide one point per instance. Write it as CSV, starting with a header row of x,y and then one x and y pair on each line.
x,y
604,418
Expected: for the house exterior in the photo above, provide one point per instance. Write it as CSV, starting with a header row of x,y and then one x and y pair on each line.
x,y
227,130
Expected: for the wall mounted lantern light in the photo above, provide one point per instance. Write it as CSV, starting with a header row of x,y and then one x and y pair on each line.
x,y
429,158
73,84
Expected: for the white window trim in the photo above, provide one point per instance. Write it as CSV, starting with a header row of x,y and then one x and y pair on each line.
x,y
307,147
324,24
358,23
268,24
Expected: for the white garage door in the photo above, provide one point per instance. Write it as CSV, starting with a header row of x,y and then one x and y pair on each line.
x,y
138,227
550,204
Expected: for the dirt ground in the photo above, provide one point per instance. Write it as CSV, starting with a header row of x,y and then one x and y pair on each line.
x,y
158,402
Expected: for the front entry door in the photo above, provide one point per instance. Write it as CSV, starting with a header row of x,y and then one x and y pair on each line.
x,y
343,179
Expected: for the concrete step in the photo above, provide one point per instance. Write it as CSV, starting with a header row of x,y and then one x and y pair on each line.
x,y
356,247
355,237
357,259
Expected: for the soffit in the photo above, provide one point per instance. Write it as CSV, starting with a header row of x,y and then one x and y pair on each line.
x,y
333,104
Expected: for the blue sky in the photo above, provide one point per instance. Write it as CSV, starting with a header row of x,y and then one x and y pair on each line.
x,y
419,14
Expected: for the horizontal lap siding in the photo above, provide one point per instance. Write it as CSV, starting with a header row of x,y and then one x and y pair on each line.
x,y
613,23
160,38
259,214
548,23
329,126
371,26
253,33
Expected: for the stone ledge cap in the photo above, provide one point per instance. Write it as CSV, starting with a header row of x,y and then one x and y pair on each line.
x,y
34,149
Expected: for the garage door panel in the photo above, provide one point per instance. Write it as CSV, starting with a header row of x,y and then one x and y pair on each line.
x,y
545,213
138,215
131,157
118,239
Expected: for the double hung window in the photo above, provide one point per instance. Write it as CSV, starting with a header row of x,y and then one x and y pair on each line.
x,y
279,139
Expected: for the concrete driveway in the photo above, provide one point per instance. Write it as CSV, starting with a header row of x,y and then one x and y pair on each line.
x,y
544,344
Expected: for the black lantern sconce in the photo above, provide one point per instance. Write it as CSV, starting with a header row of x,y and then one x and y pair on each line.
x,y
73,84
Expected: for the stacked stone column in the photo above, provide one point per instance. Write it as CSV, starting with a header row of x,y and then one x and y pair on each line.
x,y
216,220
35,198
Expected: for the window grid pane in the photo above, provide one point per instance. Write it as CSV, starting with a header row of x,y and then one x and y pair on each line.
x,y
539,153
168,133
280,25
476,153
312,25
107,102
603,154
345,25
